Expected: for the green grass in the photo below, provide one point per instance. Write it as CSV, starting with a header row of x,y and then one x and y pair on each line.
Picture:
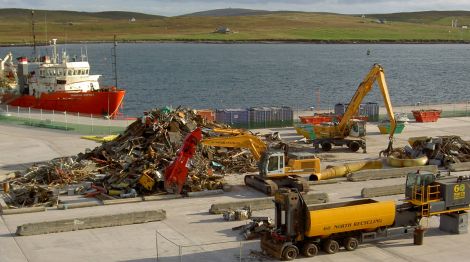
x,y
15,27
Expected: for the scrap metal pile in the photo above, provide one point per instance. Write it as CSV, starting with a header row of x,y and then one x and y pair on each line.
x,y
115,169
441,150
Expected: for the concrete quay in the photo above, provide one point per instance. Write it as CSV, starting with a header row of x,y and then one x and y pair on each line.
x,y
201,235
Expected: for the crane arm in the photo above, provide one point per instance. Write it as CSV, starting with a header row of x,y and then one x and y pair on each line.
x,y
256,146
376,73
388,106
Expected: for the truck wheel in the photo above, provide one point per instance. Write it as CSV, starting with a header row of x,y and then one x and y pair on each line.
x,y
351,243
309,249
290,253
330,246
354,146
326,146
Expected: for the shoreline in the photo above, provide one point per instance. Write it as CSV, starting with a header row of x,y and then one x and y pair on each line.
x,y
261,41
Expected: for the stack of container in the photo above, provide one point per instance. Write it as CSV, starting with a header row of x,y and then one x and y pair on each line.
x,y
371,110
235,117
262,117
256,117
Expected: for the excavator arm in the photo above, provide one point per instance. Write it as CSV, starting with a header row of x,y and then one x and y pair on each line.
x,y
177,172
376,73
244,140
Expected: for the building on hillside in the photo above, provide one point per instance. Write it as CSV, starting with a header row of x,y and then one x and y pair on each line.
x,y
132,20
222,30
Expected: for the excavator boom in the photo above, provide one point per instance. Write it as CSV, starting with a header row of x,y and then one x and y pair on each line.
x,y
244,140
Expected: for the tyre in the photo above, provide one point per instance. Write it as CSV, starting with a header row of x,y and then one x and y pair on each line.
x,y
351,243
326,146
330,246
290,253
309,250
354,146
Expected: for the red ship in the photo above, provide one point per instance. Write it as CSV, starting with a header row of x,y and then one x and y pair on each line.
x,y
57,84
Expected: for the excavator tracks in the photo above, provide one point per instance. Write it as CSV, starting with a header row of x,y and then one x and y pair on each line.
x,y
270,186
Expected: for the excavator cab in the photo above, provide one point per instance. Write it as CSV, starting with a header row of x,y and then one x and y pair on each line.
x,y
272,163
358,128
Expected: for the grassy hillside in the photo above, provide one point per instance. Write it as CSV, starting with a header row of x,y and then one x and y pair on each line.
x,y
15,27
429,17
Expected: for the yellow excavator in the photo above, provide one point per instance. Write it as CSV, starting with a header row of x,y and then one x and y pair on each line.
x,y
351,132
277,168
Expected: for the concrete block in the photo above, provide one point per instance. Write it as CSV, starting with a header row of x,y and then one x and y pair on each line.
x,y
23,210
122,201
368,192
74,224
388,173
454,223
456,167
77,205
161,197
205,193
264,203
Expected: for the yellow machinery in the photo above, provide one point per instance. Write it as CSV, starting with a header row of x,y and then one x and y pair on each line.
x,y
276,169
351,132
305,229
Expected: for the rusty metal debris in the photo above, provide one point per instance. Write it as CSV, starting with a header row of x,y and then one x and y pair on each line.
x,y
256,227
238,214
441,150
124,167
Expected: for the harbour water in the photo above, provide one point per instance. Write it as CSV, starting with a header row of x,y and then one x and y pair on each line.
x,y
245,75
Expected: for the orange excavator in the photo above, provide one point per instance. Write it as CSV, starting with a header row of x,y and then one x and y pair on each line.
x,y
177,172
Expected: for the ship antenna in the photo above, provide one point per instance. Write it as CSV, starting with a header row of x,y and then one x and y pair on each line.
x,y
54,50
115,62
45,25
34,34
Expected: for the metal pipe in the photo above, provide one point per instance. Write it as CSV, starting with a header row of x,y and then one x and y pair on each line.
x,y
343,170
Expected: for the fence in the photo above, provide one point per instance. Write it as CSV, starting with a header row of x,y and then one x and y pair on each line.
x,y
78,123
168,250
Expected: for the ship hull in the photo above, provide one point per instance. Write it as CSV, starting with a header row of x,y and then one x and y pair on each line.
x,y
99,103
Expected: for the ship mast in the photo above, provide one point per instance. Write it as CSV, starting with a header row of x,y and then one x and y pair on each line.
x,y
115,62
34,34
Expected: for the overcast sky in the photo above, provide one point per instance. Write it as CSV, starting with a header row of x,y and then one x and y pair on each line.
x,y
178,7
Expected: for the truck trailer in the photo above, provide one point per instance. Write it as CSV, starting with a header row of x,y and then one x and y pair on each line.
x,y
302,229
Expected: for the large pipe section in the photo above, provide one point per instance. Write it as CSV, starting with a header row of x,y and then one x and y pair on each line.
x,y
343,170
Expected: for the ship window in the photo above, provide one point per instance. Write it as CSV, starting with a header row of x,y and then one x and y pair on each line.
x,y
86,72
60,72
69,72
41,73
